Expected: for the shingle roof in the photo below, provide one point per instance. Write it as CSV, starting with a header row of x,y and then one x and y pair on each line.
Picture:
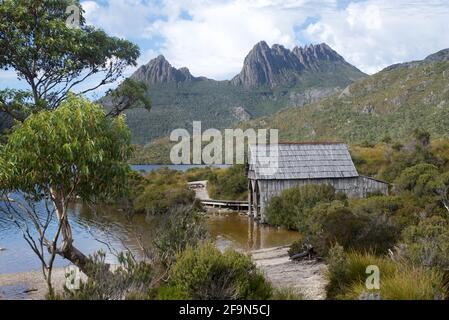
x,y
300,161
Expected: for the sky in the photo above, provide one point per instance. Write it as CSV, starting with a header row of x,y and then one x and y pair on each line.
x,y
212,37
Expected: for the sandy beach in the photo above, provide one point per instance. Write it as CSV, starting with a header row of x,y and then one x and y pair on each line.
x,y
306,277
28,285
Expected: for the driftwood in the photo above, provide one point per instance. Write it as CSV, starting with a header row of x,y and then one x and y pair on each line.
x,y
307,253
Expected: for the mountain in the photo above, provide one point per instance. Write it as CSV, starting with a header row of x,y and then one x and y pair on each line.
x,y
160,70
392,103
279,66
271,79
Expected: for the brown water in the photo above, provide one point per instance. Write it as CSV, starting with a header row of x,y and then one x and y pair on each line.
x,y
241,232
92,227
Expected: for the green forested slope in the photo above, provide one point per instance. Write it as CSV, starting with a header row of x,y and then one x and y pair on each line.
x,y
220,104
392,103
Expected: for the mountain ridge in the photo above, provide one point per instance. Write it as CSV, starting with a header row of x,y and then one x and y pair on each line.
x,y
391,103
387,106
159,70
280,78
274,66
273,60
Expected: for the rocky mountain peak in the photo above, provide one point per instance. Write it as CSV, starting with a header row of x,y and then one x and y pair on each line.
x,y
159,70
280,66
263,63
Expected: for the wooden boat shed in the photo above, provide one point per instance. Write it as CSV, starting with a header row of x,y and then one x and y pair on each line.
x,y
274,168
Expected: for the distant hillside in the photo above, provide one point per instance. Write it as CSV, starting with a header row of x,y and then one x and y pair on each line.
x,y
271,79
392,103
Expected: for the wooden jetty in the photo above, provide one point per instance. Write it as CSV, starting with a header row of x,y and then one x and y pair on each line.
x,y
200,188
226,204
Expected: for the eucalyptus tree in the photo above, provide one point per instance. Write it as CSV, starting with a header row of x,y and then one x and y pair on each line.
x,y
53,158
55,53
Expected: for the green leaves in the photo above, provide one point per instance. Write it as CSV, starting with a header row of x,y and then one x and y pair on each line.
x,y
54,58
130,94
417,178
75,149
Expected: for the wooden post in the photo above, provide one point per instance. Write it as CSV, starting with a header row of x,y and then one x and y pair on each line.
x,y
250,198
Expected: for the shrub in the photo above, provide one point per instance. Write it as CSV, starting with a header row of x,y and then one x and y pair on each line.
x,y
161,191
229,184
398,281
348,269
416,179
427,244
291,208
333,223
182,227
369,161
200,174
130,280
360,225
160,199
406,283
207,274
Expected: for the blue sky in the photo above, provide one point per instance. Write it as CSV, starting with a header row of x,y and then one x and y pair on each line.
x,y
212,37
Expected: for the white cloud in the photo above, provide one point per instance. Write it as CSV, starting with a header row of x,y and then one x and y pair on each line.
x,y
122,18
212,37
375,34
209,37
218,35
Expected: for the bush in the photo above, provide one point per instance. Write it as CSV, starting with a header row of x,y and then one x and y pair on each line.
x,y
427,244
207,274
358,225
333,223
415,179
159,200
130,280
398,281
291,208
182,227
229,184
161,191
348,269
200,174
406,283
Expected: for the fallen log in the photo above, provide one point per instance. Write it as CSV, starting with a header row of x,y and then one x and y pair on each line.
x,y
309,253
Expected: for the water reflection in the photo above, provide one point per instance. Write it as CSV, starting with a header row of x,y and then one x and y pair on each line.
x,y
106,228
241,232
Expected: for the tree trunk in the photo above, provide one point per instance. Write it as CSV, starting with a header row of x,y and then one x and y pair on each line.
x,y
67,250
76,257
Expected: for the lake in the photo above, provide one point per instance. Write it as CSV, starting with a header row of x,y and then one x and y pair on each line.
x,y
184,167
92,226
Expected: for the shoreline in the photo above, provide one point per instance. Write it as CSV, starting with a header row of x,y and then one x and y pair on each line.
x,y
305,277
29,285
